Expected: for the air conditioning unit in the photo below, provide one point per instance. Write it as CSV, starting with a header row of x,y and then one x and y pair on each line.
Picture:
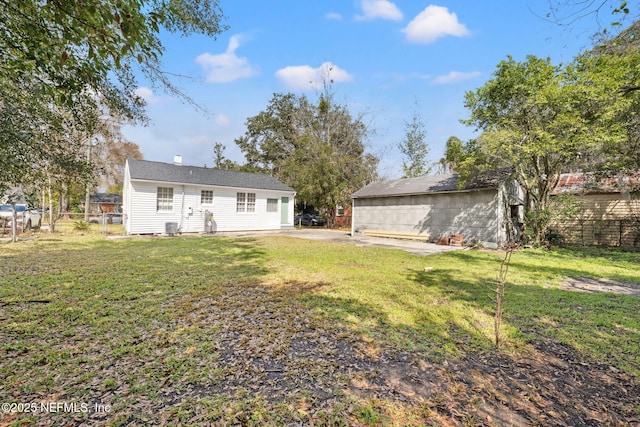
x,y
170,228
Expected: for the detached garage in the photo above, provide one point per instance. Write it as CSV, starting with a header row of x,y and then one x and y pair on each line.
x,y
161,198
487,210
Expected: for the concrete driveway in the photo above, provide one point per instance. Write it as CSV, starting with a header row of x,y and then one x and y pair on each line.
x,y
337,236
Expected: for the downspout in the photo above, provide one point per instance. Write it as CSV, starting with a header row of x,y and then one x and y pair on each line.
x,y
353,216
181,211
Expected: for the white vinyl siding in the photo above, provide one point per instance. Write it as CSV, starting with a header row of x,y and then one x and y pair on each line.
x,y
142,217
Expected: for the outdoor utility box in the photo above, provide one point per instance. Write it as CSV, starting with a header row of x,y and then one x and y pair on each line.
x,y
208,222
170,228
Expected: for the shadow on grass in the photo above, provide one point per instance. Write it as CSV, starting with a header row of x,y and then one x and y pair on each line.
x,y
553,382
147,324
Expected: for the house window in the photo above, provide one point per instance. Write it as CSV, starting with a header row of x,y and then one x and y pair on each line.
x,y
340,211
272,205
206,197
241,202
164,199
251,202
246,202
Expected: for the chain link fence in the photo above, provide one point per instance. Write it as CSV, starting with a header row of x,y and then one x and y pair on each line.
x,y
71,222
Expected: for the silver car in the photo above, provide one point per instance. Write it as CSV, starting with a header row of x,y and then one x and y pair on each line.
x,y
27,218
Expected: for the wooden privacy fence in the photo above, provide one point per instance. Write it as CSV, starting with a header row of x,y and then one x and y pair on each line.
x,y
608,232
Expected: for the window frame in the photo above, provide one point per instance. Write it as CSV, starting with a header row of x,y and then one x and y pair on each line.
x,y
245,202
273,206
251,203
164,199
208,200
241,202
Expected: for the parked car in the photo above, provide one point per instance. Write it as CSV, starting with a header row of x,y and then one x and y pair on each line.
x,y
112,218
27,217
309,220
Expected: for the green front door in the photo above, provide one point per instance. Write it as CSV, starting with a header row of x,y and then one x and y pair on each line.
x,y
284,211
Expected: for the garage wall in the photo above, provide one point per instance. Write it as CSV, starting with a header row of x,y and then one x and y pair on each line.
x,y
474,214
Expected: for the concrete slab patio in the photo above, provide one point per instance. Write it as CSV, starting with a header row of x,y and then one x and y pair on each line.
x,y
339,236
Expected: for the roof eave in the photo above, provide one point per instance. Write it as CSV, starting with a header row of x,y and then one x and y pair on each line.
x,y
465,190
291,190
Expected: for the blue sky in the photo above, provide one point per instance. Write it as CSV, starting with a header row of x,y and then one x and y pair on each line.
x,y
388,59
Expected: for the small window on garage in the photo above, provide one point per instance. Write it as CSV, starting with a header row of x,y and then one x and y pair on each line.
x,y
515,211
206,197
272,205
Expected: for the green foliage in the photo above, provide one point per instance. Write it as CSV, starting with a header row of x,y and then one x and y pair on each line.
x,y
538,119
64,64
220,161
614,66
414,148
81,225
317,149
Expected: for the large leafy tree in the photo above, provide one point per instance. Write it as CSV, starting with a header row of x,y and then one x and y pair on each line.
x,y
615,66
60,54
316,148
538,119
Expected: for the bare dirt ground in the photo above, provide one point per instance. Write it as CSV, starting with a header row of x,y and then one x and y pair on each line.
x,y
550,385
591,285
273,348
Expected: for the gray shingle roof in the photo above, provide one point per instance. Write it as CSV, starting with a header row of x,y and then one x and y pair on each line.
x,y
430,184
183,174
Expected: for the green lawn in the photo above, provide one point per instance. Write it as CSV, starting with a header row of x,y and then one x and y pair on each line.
x,y
281,331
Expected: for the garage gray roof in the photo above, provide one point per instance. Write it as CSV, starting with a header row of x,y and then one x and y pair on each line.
x,y
183,174
430,184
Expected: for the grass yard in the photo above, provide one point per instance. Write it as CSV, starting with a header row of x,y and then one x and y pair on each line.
x,y
284,331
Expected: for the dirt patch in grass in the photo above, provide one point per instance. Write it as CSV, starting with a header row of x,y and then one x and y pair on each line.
x,y
256,355
595,285
275,348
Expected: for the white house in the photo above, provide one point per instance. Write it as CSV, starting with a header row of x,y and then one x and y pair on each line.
x,y
168,198
487,210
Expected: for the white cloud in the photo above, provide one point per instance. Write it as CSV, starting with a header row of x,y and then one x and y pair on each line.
x,y
382,9
334,16
303,77
432,23
226,67
148,95
455,77
222,120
